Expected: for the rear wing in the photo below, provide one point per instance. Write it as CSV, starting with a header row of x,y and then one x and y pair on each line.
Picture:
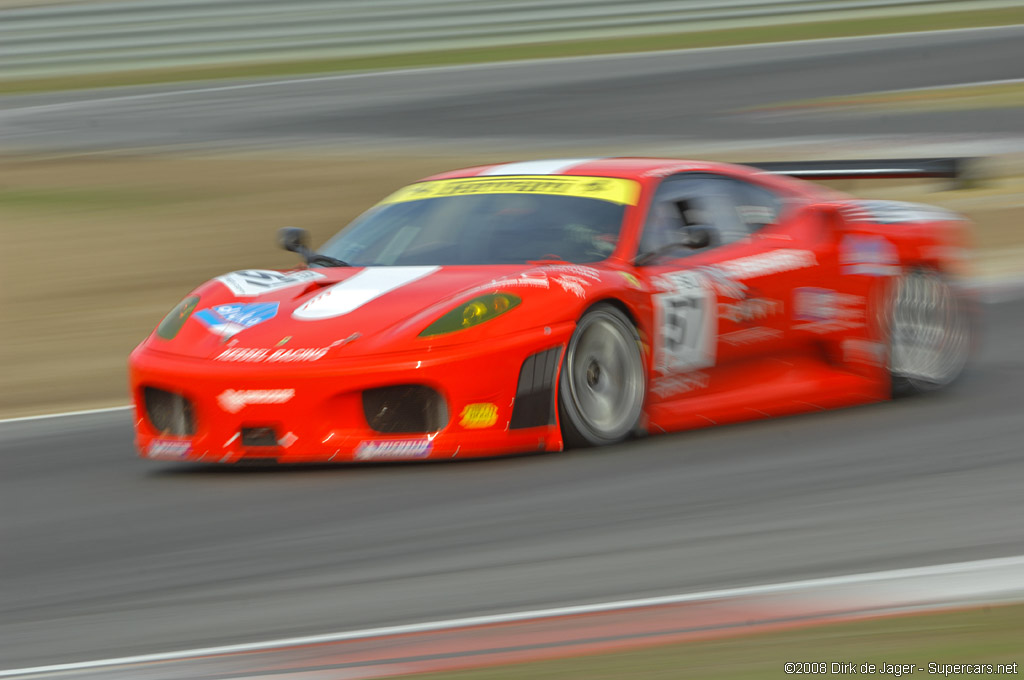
x,y
893,168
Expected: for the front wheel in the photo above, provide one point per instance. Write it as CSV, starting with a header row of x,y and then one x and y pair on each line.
x,y
929,333
603,382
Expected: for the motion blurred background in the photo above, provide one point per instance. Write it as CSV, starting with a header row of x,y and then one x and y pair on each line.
x,y
148,145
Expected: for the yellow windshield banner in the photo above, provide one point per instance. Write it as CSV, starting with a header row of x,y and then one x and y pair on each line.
x,y
612,189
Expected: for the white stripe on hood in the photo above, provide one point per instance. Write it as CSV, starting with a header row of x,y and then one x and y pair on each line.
x,y
355,291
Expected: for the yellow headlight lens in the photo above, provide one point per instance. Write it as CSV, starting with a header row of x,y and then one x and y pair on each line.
x,y
472,313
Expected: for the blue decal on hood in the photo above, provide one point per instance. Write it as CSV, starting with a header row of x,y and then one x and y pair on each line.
x,y
226,320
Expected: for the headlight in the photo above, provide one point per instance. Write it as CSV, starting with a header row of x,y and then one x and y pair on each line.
x,y
472,313
173,322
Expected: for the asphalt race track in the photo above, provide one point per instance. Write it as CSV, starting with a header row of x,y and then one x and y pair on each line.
x,y
657,99
105,555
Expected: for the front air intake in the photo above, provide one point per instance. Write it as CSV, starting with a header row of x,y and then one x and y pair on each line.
x,y
259,436
405,409
169,412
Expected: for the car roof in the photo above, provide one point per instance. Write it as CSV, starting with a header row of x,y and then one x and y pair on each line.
x,y
629,168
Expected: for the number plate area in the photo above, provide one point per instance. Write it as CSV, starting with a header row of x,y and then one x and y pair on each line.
x,y
686,319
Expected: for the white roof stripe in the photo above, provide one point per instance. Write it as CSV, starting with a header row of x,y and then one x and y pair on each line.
x,y
552,166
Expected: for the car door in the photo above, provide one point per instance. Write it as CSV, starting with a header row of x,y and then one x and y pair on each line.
x,y
720,308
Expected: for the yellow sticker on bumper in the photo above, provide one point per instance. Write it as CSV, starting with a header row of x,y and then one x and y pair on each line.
x,y
611,189
477,416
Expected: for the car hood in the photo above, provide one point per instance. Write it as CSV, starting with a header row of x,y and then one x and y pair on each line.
x,y
311,314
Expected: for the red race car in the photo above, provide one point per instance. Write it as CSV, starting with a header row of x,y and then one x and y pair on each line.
x,y
540,305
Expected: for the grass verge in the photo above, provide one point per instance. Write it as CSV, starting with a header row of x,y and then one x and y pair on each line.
x,y
714,38
966,98
924,645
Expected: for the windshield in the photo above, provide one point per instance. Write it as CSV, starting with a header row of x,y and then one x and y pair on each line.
x,y
490,220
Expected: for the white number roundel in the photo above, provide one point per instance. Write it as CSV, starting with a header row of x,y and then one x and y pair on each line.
x,y
687,324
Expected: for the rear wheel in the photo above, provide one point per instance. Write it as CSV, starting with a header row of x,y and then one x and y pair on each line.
x,y
929,333
603,383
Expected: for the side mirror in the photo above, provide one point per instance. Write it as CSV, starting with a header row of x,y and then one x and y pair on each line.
x,y
293,239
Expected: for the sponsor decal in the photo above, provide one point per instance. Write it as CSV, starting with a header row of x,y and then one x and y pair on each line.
x,y
631,280
573,279
227,320
750,309
476,416
357,290
611,189
896,212
252,282
859,351
577,270
822,310
686,323
169,448
393,449
524,280
869,255
725,284
671,385
749,336
573,284
234,401
531,279
770,262
254,355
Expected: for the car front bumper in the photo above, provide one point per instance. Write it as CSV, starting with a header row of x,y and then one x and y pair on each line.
x,y
313,412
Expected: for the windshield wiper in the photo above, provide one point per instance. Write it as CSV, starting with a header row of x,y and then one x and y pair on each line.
x,y
318,259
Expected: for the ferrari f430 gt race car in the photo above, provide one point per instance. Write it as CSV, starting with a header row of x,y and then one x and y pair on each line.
x,y
539,305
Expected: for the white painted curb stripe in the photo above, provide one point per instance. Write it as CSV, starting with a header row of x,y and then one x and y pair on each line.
x,y
428,626
86,412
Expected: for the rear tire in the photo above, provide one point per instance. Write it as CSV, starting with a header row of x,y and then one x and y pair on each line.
x,y
929,333
603,380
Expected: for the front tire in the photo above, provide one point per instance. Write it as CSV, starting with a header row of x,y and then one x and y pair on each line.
x,y
603,381
929,333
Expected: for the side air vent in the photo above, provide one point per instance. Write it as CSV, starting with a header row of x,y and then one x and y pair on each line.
x,y
535,395
405,409
169,412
